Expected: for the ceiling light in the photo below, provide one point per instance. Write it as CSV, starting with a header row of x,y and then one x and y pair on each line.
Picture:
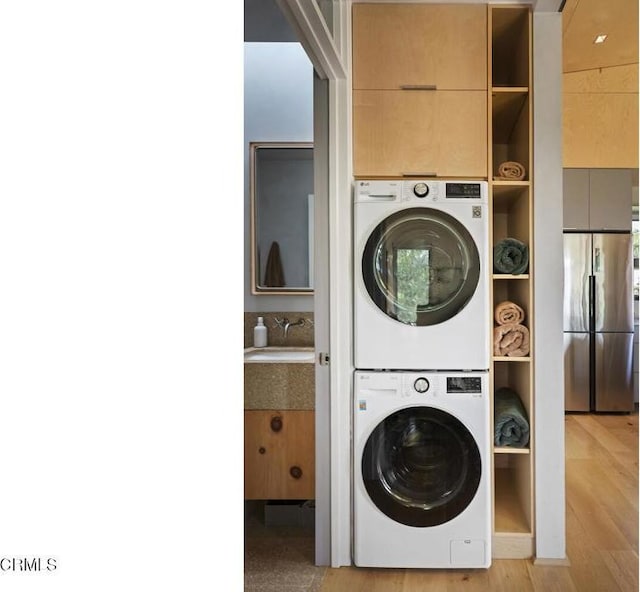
x,y
600,39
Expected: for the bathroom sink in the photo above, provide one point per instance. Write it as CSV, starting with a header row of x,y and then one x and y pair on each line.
x,y
279,355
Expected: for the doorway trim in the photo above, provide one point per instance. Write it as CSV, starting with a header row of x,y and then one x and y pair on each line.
x,y
330,55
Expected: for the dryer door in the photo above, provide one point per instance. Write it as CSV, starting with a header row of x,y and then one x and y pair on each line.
x,y
421,466
420,266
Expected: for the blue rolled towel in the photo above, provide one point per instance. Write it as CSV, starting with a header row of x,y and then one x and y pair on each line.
x,y
511,424
510,256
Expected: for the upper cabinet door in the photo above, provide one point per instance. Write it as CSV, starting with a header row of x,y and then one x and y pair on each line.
x,y
575,189
405,133
396,45
610,197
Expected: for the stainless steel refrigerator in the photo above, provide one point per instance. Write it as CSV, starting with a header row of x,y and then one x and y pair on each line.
x,y
598,321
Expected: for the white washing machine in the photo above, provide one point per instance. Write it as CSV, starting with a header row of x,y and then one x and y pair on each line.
x,y
422,269
421,458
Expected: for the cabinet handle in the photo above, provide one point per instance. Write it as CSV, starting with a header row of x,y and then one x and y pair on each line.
x,y
419,174
276,423
418,87
295,472
262,450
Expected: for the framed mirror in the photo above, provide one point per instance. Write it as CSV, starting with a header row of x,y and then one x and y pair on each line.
x,y
281,193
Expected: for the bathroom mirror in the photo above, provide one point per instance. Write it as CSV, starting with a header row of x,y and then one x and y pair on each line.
x,y
281,192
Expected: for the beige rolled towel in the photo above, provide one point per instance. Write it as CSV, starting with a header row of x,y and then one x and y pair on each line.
x,y
508,312
511,339
511,170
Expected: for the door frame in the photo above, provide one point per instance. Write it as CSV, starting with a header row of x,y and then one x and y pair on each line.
x,y
330,55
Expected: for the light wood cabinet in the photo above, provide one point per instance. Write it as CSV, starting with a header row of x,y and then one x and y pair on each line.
x,y
423,133
419,90
279,454
419,44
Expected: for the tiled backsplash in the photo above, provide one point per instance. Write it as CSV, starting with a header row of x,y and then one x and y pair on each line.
x,y
297,336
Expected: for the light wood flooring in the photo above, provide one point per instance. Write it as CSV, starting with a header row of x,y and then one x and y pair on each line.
x,y
601,526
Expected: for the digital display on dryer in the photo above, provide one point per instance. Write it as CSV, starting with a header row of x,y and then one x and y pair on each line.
x,y
464,384
464,190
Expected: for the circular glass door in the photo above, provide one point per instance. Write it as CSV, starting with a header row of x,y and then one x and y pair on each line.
x,y
420,266
421,466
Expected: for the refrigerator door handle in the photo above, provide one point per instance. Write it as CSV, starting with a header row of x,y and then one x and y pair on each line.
x,y
592,302
596,260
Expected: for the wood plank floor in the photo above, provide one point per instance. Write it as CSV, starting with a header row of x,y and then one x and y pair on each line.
x,y
601,521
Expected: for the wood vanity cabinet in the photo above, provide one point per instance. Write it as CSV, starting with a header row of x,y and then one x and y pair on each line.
x,y
419,90
279,454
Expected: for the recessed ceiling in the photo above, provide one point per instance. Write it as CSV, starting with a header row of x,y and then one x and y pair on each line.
x,y
584,20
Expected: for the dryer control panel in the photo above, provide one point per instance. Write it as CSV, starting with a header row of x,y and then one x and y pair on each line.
x,y
420,190
463,190
428,190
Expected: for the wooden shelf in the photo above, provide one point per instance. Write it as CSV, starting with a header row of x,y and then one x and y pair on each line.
x,y
510,139
509,89
508,276
509,450
500,184
512,358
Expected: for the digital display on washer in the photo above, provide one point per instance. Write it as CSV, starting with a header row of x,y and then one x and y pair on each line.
x,y
468,190
464,384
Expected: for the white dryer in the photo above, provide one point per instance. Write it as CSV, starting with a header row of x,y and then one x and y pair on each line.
x,y
421,491
421,267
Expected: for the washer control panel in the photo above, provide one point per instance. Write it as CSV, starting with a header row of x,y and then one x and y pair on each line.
x,y
434,385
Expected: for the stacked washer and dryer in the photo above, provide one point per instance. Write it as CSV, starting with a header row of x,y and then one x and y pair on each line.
x,y
421,424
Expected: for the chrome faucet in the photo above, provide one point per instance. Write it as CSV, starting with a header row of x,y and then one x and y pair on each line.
x,y
285,324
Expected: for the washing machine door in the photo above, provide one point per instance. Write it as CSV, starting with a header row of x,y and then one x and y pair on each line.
x,y
420,266
421,466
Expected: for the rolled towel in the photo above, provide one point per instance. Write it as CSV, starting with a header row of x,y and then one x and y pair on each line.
x,y
511,170
511,339
510,256
511,424
508,312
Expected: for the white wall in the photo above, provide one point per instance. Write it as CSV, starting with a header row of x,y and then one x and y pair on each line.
x,y
278,106
548,286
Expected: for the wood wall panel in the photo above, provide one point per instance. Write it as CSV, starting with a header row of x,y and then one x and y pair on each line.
x,y
617,79
600,130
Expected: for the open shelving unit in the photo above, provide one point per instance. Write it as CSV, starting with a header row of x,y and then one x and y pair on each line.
x,y
509,106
